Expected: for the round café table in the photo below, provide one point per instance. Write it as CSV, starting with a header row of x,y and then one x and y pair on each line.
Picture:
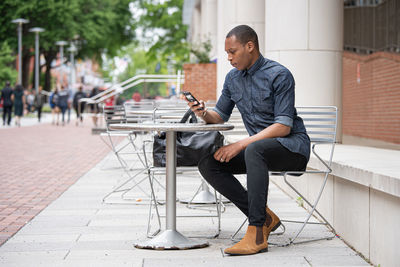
x,y
170,238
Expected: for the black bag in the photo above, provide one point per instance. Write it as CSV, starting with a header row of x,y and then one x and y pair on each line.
x,y
190,146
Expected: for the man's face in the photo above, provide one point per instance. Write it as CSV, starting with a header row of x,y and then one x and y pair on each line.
x,y
238,54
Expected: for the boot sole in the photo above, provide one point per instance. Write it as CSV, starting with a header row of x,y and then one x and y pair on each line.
x,y
237,254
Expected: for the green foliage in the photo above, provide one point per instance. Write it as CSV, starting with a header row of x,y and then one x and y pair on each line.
x,y
164,21
7,70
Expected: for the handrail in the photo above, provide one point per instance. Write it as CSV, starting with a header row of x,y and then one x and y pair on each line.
x,y
129,83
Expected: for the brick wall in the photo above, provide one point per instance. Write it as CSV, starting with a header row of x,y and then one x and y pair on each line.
x,y
201,80
371,96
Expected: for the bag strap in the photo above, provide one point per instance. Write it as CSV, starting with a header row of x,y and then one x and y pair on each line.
x,y
189,113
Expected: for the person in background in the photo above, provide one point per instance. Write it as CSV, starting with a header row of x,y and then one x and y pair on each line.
x,y
53,105
79,106
136,97
94,108
120,100
7,97
62,103
39,101
19,103
70,103
30,98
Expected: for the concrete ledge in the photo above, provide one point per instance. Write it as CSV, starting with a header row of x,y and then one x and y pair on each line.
x,y
372,167
361,198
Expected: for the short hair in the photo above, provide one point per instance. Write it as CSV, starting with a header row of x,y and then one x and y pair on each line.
x,y
244,34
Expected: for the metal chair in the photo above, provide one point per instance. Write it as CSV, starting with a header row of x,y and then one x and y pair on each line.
x,y
321,126
124,114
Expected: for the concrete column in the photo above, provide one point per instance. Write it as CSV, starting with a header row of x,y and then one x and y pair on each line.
x,y
230,14
307,37
208,24
196,24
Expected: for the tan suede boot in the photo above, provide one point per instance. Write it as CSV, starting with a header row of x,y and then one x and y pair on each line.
x,y
272,222
254,241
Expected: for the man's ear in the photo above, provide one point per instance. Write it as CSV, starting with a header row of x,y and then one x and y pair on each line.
x,y
250,46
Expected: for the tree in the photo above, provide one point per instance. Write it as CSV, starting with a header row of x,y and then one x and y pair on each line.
x,y
164,21
96,26
7,70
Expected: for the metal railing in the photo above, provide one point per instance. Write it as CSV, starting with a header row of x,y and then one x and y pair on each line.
x,y
118,88
131,82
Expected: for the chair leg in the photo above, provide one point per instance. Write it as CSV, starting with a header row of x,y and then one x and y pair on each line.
x,y
310,213
219,206
131,177
154,201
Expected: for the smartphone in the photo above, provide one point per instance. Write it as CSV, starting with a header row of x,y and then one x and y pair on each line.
x,y
191,98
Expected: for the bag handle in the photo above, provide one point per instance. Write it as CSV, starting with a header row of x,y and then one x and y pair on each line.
x,y
189,113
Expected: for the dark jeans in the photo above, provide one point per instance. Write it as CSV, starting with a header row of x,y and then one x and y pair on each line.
x,y
256,160
7,114
39,112
63,109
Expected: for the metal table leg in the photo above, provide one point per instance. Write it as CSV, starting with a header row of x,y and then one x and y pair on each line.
x,y
171,238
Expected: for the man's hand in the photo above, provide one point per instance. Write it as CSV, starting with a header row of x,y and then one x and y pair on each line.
x,y
226,153
197,108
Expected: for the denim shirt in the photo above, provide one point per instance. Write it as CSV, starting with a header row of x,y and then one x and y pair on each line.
x,y
264,95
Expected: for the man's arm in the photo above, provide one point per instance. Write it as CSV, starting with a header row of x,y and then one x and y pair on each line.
x,y
226,153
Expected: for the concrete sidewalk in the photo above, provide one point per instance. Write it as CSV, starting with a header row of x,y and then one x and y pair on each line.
x,y
79,229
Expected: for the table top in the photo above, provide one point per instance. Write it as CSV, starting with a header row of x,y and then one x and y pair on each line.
x,y
168,126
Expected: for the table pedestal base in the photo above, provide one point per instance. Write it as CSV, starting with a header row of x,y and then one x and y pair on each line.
x,y
203,197
171,239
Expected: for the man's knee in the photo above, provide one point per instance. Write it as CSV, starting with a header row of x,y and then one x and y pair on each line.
x,y
253,150
205,165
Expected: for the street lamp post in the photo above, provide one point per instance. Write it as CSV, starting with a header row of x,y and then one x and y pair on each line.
x,y
20,21
36,30
72,49
61,44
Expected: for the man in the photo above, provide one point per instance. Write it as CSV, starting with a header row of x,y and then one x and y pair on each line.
x,y
79,106
62,102
263,91
7,96
39,102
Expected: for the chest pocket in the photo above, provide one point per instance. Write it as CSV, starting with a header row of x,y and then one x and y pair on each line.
x,y
264,101
237,97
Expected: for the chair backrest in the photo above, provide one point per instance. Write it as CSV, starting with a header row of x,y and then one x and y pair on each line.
x,y
114,114
321,126
139,111
171,110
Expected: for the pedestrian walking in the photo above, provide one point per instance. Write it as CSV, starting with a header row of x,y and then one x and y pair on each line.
x,y
7,97
62,103
79,106
30,98
38,102
53,105
19,103
94,108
